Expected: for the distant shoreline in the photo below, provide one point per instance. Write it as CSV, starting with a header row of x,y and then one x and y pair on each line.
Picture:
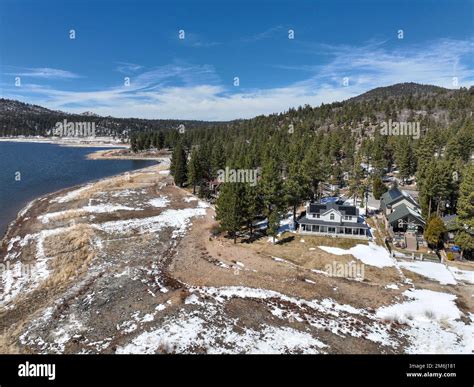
x,y
88,142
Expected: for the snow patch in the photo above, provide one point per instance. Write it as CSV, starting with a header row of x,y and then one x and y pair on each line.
x,y
432,270
372,254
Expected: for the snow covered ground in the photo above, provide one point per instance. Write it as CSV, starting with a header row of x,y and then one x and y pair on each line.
x,y
210,330
370,254
434,323
435,271
462,275
233,319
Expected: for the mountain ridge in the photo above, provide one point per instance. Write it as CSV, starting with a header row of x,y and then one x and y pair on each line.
x,y
20,118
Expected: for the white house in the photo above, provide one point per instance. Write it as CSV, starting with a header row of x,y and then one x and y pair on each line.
x,y
333,219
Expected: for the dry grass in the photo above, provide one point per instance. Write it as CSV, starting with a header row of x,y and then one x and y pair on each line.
x,y
68,215
308,255
7,345
166,348
132,181
72,254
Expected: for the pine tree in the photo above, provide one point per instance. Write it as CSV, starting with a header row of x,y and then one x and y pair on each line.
x,y
315,169
434,231
465,210
273,224
229,209
355,183
218,159
378,187
434,181
404,158
297,187
178,167
195,170
272,193
252,205
133,143
160,142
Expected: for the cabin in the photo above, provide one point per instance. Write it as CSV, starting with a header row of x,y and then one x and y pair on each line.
x,y
402,212
333,219
452,227
395,197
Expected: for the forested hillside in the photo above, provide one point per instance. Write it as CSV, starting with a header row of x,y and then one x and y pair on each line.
x,y
295,152
21,119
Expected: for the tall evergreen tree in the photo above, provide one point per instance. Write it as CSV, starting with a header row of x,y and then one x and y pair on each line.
x,y
378,187
229,208
178,167
195,170
465,209
434,231
272,193
297,187
252,205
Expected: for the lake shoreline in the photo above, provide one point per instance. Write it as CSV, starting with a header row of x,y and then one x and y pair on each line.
x,y
30,206
106,154
82,142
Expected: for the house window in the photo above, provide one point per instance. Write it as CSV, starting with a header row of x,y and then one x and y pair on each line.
x,y
314,216
317,216
331,216
347,217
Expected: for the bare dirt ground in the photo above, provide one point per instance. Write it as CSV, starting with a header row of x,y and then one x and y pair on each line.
x,y
131,264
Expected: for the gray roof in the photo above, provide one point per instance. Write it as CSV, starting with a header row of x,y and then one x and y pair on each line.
x,y
402,211
320,222
395,194
319,208
450,221
392,195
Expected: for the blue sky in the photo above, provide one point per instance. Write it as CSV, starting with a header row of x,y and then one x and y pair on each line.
x,y
193,78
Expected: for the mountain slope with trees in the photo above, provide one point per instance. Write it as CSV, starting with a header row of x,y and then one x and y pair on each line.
x,y
22,119
298,151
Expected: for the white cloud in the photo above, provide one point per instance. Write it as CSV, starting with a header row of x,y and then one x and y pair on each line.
x,y
44,72
128,68
373,65
195,92
267,34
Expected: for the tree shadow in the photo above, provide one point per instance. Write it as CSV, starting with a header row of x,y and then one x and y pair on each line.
x,y
285,240
255,237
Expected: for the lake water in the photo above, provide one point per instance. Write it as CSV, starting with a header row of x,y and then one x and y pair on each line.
x,y
46,168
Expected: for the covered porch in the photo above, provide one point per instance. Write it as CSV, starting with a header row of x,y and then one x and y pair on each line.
x,y
336,230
